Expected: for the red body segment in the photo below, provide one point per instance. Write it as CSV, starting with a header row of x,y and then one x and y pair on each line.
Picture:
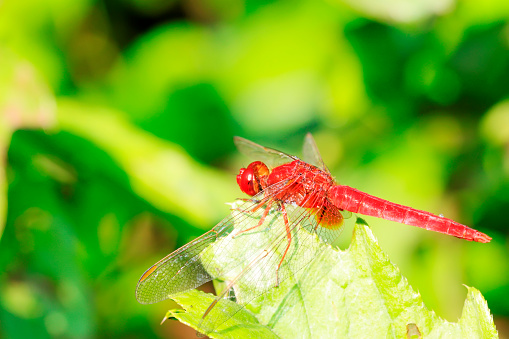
x,y
350,199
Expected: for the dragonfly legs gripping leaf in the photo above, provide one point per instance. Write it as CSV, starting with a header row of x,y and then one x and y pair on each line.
x,y
282,208
289,237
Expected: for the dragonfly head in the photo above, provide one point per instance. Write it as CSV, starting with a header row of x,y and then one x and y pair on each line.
x,y
252,179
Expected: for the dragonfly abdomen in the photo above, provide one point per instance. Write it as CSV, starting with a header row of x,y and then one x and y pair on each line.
x,y
353,200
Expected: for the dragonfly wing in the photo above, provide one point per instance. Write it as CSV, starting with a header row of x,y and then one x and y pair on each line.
x,y
311,154
272,258
179,271
269,156
191,265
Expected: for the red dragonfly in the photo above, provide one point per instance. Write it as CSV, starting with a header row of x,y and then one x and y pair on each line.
x,y
269,237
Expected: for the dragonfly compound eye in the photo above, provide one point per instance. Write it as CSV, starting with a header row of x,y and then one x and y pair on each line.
x,y
251,180
245,180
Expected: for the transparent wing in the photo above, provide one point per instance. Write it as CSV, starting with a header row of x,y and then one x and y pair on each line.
x,y
179,271
270,254
311,154
269,156
184,269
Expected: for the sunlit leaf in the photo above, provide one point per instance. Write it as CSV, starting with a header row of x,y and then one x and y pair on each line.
x,y
353,293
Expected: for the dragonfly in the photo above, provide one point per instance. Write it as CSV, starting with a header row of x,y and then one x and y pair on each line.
x,y
273,234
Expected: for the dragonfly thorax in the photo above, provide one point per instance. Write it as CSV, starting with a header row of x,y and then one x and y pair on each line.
x,y
305,184
295,182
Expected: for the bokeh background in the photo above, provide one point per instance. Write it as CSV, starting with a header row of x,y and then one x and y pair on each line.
x,y
116,129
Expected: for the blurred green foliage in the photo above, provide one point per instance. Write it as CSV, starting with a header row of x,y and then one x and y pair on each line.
x,y
117,118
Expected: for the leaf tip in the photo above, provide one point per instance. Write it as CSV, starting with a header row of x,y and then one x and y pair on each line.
x,y
361,221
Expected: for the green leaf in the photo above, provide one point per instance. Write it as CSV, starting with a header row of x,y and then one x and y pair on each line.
x,y
243,324
355,293
476,317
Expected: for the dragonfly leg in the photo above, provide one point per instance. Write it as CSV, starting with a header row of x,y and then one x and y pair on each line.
x,y
262,219
288,236
260,204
